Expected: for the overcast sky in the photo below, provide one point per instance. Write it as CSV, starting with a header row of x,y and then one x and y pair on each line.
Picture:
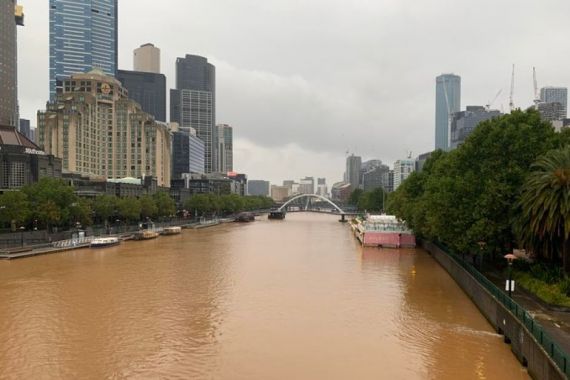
x,y
303,82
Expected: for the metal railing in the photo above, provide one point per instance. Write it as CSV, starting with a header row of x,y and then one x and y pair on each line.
x,y
558,355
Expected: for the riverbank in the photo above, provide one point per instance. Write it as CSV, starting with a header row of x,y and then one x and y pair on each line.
x,y
534,345
77,243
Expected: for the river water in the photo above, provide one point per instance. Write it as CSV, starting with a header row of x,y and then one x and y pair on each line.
x,y
293,299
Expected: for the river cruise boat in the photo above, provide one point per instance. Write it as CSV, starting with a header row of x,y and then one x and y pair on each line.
x,y
383,231
104,242
145,235
175,230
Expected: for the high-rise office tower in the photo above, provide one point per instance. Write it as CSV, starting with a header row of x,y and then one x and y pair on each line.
x,y
82,36
447,102
146,58
146,86
556,95
193,103
225,148
11,15
352,173
402,170
148,89
187,153
258,187
25,129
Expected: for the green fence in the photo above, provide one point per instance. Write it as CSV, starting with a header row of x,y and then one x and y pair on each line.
x,y
558,355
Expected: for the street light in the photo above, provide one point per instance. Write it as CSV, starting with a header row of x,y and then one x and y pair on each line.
x,y
482,245
510,285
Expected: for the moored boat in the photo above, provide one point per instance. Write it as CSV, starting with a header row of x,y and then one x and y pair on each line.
x,y
276,214
145,235
175,230
104,242
244,217
383,231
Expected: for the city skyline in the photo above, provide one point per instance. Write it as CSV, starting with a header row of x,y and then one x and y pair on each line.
x,y
372,89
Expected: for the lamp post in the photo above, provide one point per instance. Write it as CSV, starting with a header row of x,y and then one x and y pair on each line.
x,y
510,283
482,245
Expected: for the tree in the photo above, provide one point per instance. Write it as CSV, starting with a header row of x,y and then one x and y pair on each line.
x,y
105,207
470,194
372,200
199,204
14,208
80,212
49,213
355,197
544,224
129,209
165,204
147,206
52,191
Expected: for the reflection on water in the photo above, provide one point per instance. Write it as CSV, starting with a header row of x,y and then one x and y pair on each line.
x,y
272,299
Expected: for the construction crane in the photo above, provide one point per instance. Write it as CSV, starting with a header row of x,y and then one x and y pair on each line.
x,y
511,102
535,83
490,104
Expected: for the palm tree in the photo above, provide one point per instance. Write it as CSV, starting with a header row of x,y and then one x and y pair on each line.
x,y
544,226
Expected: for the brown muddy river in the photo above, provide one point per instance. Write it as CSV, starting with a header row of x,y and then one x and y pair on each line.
x,y
293,299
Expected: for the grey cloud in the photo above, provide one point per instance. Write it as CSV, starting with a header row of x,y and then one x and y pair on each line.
x,y
333,75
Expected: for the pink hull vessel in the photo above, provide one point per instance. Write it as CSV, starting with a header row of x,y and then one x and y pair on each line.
x,y
383,231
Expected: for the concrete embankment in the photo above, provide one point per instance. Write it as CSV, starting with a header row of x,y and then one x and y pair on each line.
x,y
525,337
70,244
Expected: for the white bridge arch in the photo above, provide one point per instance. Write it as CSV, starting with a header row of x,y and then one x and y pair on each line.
x,y
311,196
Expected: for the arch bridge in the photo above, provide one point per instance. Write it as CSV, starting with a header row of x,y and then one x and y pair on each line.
x,y
319,197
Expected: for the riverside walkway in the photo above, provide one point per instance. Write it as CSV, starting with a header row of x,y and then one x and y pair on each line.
x,y
555,320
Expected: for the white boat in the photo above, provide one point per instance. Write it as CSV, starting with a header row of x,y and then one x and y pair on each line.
x,y
171,230
104,242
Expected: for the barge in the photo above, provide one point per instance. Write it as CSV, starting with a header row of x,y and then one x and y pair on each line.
x,y
383,231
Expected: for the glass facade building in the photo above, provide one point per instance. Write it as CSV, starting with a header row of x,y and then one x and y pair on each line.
x,y
556,95
447,100
187,153
193,103
82,36
148,89
10,15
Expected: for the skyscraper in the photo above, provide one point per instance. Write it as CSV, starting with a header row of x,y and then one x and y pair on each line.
x,y
146,58
10,15
82,36
146,84
187,153
402,170
464,123
352,173
193,103
447,101
224,149
556,95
